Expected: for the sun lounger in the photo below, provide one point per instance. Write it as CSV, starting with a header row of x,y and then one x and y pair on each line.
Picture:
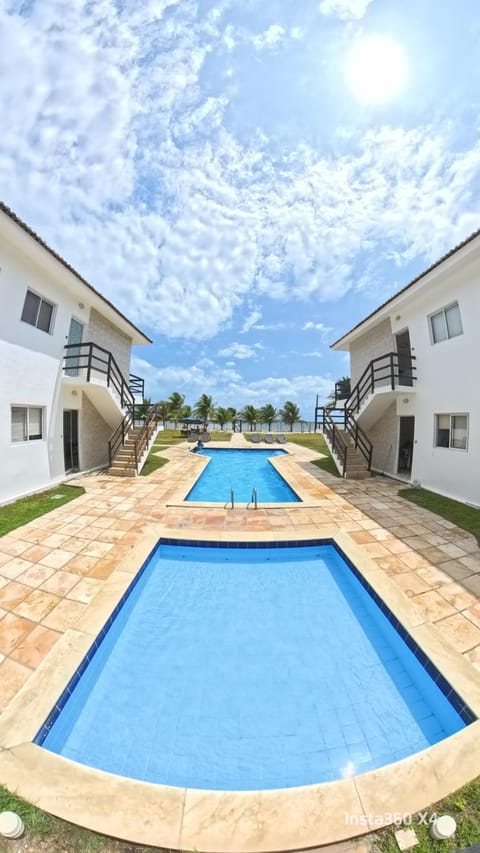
x,y
205,436
281,438
256,438
269,438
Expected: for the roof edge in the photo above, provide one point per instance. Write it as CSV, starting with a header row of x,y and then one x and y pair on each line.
x,y
31,233
414,281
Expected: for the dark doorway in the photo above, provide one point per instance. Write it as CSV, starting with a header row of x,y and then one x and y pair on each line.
x,y
70,439
404,353
405,444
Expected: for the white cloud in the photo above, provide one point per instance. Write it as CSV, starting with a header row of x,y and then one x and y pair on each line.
x,y
314,354
270,38
229,388
319,327
241,351
123,164
251,321
345,9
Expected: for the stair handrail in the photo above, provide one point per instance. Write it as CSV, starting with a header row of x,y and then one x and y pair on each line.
x,y
253,500
232,499
360,438
95,358
136,385
142,439
383,367
337,441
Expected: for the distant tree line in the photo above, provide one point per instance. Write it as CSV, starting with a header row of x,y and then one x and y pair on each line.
x,y
175,409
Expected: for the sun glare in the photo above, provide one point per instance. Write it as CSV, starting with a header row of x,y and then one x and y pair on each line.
x,y
376,69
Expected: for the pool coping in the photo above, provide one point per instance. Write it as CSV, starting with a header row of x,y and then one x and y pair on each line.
x,y
222,821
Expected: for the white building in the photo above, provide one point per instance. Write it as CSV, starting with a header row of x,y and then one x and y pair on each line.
x,y
415,378
56,416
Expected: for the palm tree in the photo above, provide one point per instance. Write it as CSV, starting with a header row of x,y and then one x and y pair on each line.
x,y
186,411
204,407
141,411
268,414
290,413
163,409
175,402
251,415
232,414
221,416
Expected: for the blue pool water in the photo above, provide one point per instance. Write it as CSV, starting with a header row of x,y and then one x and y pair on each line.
x,y
249,668
241,470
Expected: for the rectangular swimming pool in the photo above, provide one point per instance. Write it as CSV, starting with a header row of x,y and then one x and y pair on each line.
x,y
242,471
239,667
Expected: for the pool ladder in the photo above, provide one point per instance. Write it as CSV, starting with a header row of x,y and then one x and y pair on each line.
x,y
232,499
253,499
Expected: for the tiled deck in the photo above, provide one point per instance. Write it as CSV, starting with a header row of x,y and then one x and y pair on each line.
x,y
55,576
51,568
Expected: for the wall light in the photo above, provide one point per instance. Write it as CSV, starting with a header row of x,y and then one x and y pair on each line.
x,y
74,393
405,399
81,305
398,317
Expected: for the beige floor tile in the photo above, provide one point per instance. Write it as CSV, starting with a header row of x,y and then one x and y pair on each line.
x,y
97,549
32,650
60,583
81,565
57,559
64,615
36,576
457,595
459,632
13,629
37,605
12,594
433,606
55,540
15,567
411,583
35,553
85,590
473,612
13,676
14,547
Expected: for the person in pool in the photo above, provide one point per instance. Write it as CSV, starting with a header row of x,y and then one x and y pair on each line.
x,y
197,448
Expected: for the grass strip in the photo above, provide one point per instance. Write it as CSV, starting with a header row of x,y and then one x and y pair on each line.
x,y
466,517
26,509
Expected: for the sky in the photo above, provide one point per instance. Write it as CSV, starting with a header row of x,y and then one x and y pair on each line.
x,y
244,179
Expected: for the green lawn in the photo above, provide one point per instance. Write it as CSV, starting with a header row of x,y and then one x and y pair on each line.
x,y
154,462
464,806
458,513
26,509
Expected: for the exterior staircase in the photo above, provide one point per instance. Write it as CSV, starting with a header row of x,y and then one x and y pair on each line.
x,y
382,381
129,445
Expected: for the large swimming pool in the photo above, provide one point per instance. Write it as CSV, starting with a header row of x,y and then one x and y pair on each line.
x,y
250,667
242,471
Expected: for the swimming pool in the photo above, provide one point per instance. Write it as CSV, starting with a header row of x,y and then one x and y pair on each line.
x,y
237,668
242,471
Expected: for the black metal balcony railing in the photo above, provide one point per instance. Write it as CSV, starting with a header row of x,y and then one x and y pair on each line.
x,y
386,371
137,386
93,359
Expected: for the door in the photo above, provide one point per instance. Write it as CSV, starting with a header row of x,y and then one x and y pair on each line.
x,y
405,444
404,354
75,335
70,439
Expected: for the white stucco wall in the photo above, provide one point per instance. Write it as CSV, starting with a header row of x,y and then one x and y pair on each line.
x,y
101,331
31,363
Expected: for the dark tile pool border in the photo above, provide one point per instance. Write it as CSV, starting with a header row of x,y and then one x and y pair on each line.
x,y
464,711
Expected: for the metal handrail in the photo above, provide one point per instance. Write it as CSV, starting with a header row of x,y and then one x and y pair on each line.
x,y
95,359
383,369
136,385
142,438
253,499
339,445
232,499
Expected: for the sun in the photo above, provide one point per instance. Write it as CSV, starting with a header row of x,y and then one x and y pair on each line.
x,y
376,69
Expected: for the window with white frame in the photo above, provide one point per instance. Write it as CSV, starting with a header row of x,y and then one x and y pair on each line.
x,y
451,431
446,323
27,423
37,311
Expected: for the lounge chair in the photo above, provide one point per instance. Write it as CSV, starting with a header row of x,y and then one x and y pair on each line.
x,y
204,437
281,438
192,436
269,438
256,437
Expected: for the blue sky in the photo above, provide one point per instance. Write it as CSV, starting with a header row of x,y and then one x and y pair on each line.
x,y
213,168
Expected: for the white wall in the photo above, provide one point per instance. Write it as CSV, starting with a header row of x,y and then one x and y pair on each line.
x,y
448,381
31,363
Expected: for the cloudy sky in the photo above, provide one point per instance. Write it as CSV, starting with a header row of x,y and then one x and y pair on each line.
x,y
244,179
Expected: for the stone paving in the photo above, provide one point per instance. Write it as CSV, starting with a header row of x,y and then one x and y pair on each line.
x,y
51,568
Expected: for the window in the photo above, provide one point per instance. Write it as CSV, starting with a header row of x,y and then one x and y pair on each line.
x,y
27,423
37,311
451,431
446,323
